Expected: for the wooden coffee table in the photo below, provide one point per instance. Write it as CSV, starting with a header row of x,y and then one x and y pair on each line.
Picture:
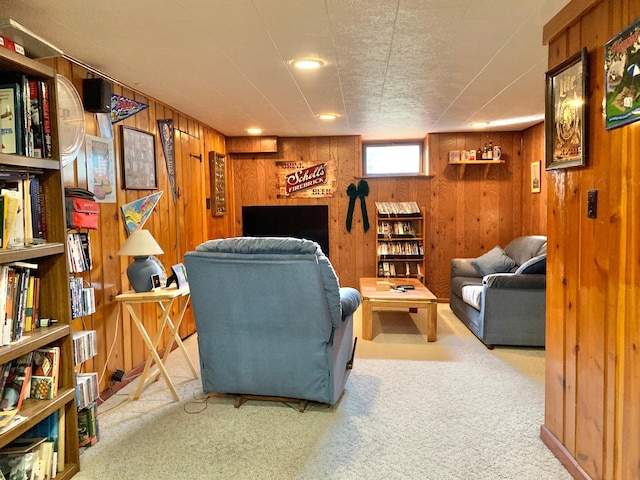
x,y
420,297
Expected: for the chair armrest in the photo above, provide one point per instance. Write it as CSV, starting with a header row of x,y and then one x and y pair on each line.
x,y
349,301
461,267
515,281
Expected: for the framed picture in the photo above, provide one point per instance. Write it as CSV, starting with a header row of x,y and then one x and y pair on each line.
x,y
622,77
138,159
535,177
217,169
101,168
178,275
565,118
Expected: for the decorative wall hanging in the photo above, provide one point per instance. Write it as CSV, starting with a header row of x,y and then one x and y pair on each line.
x,y
535,177
136,213
565,118
122,107
101,169
305,179
138,159
622,77
358,192
165,127
217,170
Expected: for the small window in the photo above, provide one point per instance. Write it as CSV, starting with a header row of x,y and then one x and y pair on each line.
x,y
397,158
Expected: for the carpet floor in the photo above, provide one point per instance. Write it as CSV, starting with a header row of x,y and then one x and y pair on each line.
x,y
411,410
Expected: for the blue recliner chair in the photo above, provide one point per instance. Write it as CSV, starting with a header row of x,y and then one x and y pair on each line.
x,y
271,318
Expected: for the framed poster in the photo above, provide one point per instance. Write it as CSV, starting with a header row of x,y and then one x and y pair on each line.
x,y
138,159
217,169
622,77
535,177
101,168
565,118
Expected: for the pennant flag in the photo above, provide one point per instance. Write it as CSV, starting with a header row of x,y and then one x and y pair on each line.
x,y
136,213
166,134
122,107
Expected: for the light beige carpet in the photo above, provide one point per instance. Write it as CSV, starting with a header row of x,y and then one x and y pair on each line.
x,y
411,410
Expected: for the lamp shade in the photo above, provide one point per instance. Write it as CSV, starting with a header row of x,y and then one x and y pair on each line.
x,y
141,245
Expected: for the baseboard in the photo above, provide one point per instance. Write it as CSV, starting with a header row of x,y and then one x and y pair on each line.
x,y
562,454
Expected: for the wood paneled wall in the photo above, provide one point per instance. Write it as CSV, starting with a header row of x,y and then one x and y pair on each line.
x,y
592,410
465,217
177,226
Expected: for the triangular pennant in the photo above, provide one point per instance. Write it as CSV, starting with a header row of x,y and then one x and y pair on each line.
x,y
122,107
136,213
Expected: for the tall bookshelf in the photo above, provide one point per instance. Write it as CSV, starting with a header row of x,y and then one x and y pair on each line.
x,y
52,270
400,240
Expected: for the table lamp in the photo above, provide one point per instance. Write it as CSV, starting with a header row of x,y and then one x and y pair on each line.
x,y
140,245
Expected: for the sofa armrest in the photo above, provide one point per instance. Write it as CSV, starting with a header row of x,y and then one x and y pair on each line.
x,y
515,281
349,301
462,267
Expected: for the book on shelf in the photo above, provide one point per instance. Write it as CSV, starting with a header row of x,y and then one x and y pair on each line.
x,y
51,428
45,372
397,208
11,118
84,346
15,389
88,428
86,389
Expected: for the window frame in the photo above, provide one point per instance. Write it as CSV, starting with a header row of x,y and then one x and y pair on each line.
x,y
423,166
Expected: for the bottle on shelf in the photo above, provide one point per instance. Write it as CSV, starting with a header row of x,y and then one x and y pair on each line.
x,y
490,150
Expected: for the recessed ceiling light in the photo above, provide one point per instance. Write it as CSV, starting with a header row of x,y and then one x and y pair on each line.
x,y
480,124
328,116
254,131
307,63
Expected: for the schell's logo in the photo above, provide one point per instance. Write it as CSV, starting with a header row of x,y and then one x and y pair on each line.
x,y
307,178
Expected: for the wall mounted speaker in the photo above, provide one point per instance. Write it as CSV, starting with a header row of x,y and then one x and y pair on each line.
x,y
96,95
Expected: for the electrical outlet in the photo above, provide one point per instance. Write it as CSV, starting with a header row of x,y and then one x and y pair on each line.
x,y
117,376
592,203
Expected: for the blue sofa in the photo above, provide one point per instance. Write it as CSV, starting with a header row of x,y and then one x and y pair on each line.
x,y
271,318
500,296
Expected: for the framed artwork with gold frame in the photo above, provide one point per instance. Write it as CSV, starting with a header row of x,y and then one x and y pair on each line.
x,y
218,172
565,113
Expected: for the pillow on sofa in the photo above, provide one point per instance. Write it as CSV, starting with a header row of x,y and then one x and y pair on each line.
x,y
494,261
534,265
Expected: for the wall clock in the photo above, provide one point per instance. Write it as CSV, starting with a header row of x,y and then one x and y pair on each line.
x,y
70,120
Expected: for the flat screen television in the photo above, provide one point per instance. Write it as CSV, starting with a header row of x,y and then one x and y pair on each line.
x,y
300,221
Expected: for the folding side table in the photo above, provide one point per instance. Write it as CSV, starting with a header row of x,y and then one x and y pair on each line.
x,y
164,298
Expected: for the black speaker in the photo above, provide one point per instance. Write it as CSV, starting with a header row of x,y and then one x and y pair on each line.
x,y
96,95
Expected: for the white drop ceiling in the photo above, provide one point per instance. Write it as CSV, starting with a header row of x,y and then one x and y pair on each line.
x,y
395,68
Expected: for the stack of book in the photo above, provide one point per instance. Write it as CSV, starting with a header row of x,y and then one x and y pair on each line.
x,y
86,389
38,454
19,300
84,346
22,209
25,119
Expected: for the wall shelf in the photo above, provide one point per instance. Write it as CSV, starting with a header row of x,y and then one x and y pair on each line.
x,y
487,165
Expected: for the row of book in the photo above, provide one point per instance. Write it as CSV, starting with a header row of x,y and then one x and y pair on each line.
x,y
86,389
396,229
83,299
84,346
398,208
388,269
400,248
33,375
79,252
11,45
25,117
19,300
38,454
88,426
22,209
